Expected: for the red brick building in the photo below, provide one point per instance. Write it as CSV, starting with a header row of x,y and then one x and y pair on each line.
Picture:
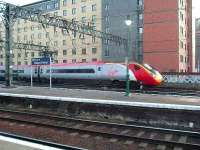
x,y
167,38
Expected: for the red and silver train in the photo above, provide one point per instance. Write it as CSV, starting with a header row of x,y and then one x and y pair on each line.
x,y
89,72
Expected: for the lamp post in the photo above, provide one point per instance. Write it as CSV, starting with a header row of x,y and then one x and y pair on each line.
x,y
128,23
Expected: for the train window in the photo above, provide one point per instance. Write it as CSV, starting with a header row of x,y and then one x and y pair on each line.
x,y
99,68
2,71
151,69
136,67
72,71
18,71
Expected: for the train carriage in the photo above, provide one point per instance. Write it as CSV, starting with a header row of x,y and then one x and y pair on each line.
x,y
89,72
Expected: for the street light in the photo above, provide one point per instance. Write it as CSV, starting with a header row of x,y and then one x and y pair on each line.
x,y
128,23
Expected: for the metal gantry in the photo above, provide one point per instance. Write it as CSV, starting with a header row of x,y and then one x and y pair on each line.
x,y
12,12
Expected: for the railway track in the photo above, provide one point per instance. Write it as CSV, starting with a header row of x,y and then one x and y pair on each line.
x,y
158,137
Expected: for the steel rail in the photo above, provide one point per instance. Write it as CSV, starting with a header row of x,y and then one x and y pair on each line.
x,y
136,138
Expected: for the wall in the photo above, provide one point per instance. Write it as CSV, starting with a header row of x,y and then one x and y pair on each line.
x,y
116,14
161,34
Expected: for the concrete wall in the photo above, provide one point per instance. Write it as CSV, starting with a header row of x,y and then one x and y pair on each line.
x,y
116,14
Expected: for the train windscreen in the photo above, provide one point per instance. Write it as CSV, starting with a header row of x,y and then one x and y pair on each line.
x,y
150,68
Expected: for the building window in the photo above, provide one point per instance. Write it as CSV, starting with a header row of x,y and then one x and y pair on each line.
x,y
64,2
56,5
107,52
64,12
32,28
107,29
83,19
18,30
55,13
94,59
19,62
73,60
64,42
94,7
64,52
19,55
64,32
64,61
32,54
181,30
84,60
73,11
84,51
83,9
26,54
107,19
74,51
32,36
55,43
141,16
181,58
140,2
26,62
106,6
93,40
74,42
94,18
56,53
94,50
47,34
182,44
73,1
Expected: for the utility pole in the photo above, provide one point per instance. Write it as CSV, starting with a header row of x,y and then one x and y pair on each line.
x,y
8,50
128,23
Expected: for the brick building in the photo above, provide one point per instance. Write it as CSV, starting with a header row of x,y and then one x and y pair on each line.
x,y
167,36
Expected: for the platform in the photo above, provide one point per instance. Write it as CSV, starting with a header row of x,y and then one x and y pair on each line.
x,y
104,97
7,143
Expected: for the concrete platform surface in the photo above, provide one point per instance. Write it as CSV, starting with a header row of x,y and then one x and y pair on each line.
x,y
7,143
100,96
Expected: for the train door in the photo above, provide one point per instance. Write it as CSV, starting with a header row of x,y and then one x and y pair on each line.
x,y
37,73
99,70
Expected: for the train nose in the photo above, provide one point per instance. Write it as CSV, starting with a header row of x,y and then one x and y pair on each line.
x,y
159,78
